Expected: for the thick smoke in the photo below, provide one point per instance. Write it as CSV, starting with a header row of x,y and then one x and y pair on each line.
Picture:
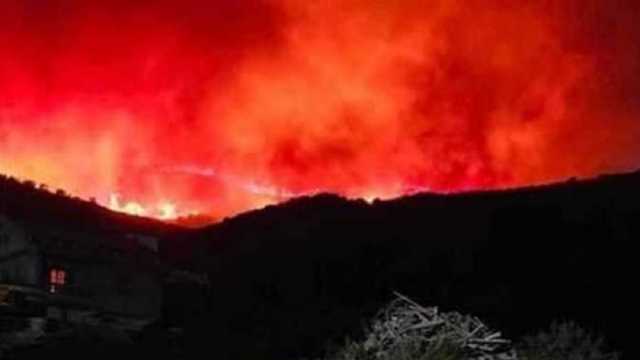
x,y
224,106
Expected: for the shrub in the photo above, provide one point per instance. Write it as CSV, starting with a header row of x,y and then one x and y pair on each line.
x,y
564,341
410,349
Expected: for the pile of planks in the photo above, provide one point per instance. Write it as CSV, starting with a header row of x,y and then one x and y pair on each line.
x,y
404,320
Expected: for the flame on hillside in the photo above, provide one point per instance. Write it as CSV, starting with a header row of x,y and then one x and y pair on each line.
x,y
162,211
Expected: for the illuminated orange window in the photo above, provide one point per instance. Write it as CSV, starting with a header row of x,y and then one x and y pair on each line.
x,y
57,277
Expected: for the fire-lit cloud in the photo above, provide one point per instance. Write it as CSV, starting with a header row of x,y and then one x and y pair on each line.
x,y
224,106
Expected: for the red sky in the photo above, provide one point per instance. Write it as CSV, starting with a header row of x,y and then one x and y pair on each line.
x,y
224,106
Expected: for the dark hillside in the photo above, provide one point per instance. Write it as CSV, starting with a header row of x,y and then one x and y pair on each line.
x,y
288,277
35,204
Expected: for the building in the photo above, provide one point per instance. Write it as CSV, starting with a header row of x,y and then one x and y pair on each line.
x,y
62,272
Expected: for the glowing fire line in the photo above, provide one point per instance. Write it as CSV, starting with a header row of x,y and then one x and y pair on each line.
x,y
164,210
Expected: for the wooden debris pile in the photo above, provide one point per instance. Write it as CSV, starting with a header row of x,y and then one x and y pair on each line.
x,y
404,320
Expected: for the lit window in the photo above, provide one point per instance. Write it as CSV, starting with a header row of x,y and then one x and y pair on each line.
x,y
57,277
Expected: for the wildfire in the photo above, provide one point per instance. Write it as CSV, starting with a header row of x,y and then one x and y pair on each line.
x,y
163,211
167,211
226,106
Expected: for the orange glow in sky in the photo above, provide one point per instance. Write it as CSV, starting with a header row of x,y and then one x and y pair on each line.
x,y
218,107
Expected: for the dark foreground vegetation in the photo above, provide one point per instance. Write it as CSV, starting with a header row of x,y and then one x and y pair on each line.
x,y
402,330
290,279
